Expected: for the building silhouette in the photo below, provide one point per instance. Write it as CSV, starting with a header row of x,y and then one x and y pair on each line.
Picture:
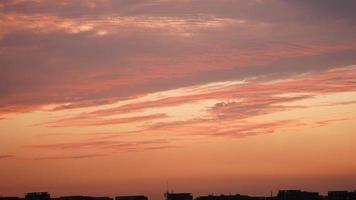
x,y
136,197
282,195
341,195
229,197
37,196
9,198
178,196
297,195
83,198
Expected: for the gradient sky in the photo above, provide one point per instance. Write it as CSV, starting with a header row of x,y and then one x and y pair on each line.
x,y
117,97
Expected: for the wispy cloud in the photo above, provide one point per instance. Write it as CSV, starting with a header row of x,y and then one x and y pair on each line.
x,y
90,120
329,121
218,128
97,53
71,157
108,145
239,101
6,156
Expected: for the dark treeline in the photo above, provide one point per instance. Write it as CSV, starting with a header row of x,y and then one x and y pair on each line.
x,y
281,195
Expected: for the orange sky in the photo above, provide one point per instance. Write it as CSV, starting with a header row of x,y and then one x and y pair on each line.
x,y
120,97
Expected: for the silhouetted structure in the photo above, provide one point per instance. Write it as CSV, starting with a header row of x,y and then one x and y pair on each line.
x,y
229,197
9,198
282,195
178,196
83,198
37,196
341,195
297,195
136,197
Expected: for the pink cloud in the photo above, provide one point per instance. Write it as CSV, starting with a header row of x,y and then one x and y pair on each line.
x,y
112,146
91,120
330,121
256,96
142,54
72,157
6,156
234,128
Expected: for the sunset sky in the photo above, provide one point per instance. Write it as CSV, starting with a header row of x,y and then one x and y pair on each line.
x,y
119,97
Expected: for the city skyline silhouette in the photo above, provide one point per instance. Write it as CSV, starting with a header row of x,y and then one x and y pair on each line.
x,y
281,195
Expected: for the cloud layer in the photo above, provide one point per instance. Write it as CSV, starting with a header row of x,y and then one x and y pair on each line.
x,y
96,52
158,67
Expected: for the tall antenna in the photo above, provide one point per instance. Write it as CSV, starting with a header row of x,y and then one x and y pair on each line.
x,y
167,188
167,191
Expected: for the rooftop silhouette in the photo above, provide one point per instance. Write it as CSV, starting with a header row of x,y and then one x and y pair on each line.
x,y
282,195
136,197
